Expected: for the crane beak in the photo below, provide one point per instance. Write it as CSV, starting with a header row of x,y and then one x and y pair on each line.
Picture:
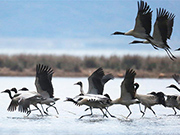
x,y
3,91
68,99
177,49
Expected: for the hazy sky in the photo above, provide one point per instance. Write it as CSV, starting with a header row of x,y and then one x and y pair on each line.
x,y
76,27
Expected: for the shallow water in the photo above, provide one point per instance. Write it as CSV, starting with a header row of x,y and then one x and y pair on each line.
x,y
67,121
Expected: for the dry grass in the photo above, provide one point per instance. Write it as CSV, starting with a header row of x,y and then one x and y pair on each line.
x,y
71,66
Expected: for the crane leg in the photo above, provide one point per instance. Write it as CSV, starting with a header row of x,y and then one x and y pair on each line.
x,y
152,110
171,56
174,111
171,53
103,112
141,110
87,114
109,113
144,111
43,110
129,112
53,107
29,111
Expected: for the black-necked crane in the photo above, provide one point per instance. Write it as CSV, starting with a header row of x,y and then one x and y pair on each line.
x,y
177,79
173,101
174,86
44,94
177,49
142,26
150,100
162,31
94,98
23,100
25,90
128,91
93,101
44,85
96,81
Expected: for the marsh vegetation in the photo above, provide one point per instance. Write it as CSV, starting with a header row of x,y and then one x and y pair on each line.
x,y
74,66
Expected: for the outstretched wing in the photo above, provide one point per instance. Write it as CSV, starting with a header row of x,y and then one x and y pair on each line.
x,y
176,78
43,80
95,83
106,78
143,18
170,24
164,25
13,105
127,86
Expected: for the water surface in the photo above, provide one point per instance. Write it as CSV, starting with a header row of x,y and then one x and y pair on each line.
x,y
67,121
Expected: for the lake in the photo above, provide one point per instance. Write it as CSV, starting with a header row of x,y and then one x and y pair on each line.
x,y
67,121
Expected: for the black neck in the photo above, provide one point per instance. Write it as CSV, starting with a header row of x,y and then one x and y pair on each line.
x,y
174,86
136,42
14,89
81,89
161,99
136,86
118,33
9,92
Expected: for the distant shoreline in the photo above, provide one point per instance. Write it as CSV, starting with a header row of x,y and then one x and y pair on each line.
x,y
74,66
60,73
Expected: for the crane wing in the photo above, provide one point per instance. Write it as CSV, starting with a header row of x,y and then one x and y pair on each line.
x,y
163,26
43,80
143,18
127,85
176,78
106,78
95,83
170,24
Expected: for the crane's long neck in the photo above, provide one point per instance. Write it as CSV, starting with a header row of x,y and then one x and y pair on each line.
x,y
81,89
176,88
9,92
136,86
118,33
138,41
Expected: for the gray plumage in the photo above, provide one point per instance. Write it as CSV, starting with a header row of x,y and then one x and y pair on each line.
x,y
43,80
97,81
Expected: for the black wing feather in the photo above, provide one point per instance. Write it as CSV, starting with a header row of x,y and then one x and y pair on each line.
x,y
96,79
176,78
165,21
44,75
144,15
129,79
